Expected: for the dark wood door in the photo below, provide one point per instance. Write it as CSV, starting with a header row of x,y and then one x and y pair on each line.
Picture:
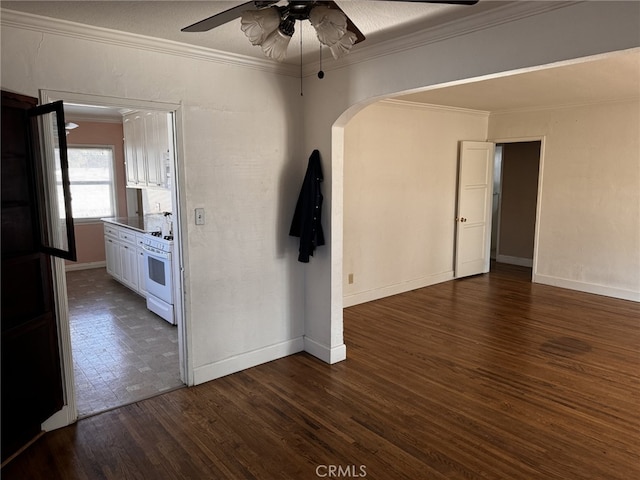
x,y
31,371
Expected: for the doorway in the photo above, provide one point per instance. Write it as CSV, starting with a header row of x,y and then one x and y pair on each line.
x,y
129,342
515,202
122,352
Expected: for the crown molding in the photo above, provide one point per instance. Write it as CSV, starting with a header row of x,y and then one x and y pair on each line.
x,y
508,12
486,113
566,106
52,26
433,107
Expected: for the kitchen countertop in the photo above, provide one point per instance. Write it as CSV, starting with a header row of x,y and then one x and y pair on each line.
x,y
135,223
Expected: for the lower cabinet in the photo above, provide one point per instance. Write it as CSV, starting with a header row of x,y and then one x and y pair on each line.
x,y
129,261
142,279
125,257
112,252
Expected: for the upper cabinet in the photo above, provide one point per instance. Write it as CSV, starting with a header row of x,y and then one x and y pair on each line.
x,y
131,129
148,148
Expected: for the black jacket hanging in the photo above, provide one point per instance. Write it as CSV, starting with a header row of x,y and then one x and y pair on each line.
x,y
306,222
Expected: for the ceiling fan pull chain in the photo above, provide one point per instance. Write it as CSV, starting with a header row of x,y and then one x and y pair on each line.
x,y
320,72
301,59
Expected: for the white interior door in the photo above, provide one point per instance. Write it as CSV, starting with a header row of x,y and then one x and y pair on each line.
x,y
473,220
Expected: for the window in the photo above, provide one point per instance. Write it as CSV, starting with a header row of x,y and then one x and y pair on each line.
x,y
92,182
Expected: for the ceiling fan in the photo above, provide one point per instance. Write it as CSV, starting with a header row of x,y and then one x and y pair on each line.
x,y
271,26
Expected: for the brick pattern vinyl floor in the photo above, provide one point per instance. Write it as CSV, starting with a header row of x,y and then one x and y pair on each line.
x,y
122,352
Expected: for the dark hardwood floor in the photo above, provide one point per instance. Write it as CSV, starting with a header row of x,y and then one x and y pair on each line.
x,y
490,377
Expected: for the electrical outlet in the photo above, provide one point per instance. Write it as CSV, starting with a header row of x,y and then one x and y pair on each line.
x,y
199,216
350,278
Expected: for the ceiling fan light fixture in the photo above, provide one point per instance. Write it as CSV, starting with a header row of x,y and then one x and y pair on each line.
x,y
269,23
257,25
276,44
343,46
330,24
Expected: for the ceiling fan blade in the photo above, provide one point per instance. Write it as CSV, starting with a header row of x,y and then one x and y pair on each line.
x,y
350,25
226,16
360,36
352,28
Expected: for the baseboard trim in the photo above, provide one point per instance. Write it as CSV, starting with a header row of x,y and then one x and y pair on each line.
x,y
370,295
587,287
523,262
62,418
324,353
70,267
246,360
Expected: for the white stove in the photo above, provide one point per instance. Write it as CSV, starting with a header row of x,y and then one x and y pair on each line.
x,y
158,269
155,242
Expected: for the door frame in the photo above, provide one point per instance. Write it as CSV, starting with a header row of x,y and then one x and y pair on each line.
x,y
495,222
542,140
69,413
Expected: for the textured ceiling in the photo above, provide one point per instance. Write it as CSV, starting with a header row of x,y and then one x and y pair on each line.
x,y
608,78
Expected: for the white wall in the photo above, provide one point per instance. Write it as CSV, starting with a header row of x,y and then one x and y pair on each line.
x,y
156,201
246,295
240,127
399,195
589,219
400,170
574,31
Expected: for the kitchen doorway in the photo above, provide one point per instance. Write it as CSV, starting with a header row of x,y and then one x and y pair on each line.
x,y
121,352
515,202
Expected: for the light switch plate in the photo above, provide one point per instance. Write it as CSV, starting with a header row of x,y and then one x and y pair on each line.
x,y
199,216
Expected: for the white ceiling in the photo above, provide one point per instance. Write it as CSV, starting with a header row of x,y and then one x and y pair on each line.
x,y
607,78
378,20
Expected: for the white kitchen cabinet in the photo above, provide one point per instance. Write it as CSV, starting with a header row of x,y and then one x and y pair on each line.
x,y
112,253
130,162
155,128
129,261
142,280
148,148
128,258
124,256
133,129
